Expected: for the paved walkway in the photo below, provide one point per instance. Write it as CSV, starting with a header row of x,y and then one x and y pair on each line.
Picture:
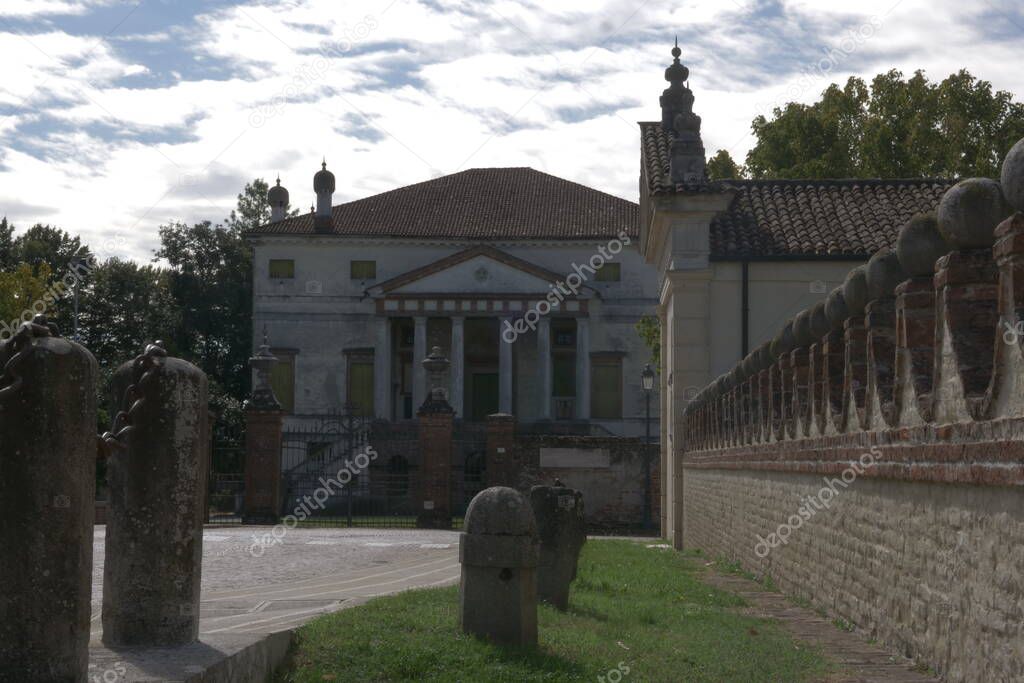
x,y
311,572
860,661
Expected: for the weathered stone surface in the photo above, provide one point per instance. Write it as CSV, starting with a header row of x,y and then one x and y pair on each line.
x,y
499,555
820,325
802,329
1012,176
836,309
970,211
883,273
47,491
784,342
920,245
562,530
855,291
263,430
154,539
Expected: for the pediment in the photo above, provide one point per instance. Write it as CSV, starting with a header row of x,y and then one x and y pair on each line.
x,y
478,271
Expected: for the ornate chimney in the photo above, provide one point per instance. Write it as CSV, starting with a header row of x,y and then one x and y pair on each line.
x,y
323,185
687,160
278,199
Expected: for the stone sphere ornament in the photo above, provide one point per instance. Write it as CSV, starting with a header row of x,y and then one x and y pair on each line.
x,y
855,291
970,211
920,245
1012,176
836,309
884,273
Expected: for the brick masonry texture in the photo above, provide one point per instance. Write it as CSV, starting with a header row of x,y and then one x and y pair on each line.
x,y
933,571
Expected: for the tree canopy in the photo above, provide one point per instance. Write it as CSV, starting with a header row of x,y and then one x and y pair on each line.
x,y
894,128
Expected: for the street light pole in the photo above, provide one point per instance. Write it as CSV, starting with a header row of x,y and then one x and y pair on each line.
x,y
647,379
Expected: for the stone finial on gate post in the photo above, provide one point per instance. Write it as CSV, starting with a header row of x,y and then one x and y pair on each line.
x,y
47,503
436,432
264,423
499,552
157,473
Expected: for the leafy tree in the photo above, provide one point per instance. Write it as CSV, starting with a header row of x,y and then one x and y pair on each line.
x,y
649,329
20,289
893,128
44,244
253,209
123,307
722,167
6,244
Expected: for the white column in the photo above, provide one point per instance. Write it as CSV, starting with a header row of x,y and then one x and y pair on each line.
x,y
504,370
458,364
544,362
382,370
419,354
583,368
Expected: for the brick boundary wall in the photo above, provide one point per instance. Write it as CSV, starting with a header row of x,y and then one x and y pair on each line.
x,y
870,458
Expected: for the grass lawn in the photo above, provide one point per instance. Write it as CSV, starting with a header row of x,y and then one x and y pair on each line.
x,y
632,608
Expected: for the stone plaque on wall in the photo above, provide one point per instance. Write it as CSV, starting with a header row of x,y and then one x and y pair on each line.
x,y
575,457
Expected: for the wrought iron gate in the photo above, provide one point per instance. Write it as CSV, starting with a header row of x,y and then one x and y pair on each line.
x,y
330,479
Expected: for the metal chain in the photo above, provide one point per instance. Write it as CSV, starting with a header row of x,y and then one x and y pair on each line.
x,y
17,349
144,369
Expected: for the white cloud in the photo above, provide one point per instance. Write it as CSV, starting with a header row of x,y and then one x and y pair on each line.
x,y
408,91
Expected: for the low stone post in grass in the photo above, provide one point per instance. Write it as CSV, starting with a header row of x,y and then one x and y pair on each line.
x,y
498,552
157,473
562,529
47,499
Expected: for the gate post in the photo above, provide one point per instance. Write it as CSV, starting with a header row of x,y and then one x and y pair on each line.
x,y
436,433
157,473
47,503
503,465
264,419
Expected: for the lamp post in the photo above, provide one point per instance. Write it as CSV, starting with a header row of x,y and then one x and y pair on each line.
x,y
647,381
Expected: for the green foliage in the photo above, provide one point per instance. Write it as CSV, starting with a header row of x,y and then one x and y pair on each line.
x,y
723,167
20,288
6,245
649,329
894,128
646,608
210,279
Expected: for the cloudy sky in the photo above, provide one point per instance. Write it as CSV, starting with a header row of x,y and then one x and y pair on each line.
x,y
116,116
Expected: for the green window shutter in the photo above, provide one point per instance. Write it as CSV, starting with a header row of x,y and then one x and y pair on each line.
x,y
363,270
610,272
282,380
360,387
606,390
282,269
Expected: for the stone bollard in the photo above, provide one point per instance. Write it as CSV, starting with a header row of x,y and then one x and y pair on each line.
x,y
47,498
157,473
559,514
498,552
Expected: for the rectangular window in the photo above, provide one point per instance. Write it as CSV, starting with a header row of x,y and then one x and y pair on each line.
x,y
364,270
610,272
606,389
360,386
282,380
282,269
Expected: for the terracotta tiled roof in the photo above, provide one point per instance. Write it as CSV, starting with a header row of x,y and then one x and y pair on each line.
x,y
480,204
800,218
